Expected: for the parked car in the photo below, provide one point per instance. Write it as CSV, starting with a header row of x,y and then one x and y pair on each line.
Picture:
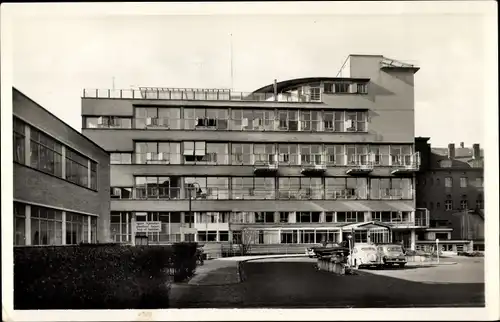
x,y
364,255
328,249
310,251
391,254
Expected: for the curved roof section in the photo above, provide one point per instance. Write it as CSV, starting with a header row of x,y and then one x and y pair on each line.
x,y
293,83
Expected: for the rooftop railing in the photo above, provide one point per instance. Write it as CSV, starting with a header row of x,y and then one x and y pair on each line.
x,y
194,94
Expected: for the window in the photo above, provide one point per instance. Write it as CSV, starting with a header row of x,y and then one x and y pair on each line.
x,y
438,205
264,154
310,121
463,203
346,188
355,121
241,154
284,216
207,236
341,87
120,158
93,175
288,154
307,217
448,182
77,229
77,168
158,152
328,87
350,216
445,163
311,154
329,217
463,182
152,117
157,187
223,236
288,120
328,121
18,127
205,119
108,122
120,193
253,188
46,226
289,236
479,202
391,188
46,153
264,217
19,224
448,205
194,151
121,226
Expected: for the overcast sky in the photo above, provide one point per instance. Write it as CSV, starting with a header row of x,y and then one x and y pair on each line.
x,y
55,56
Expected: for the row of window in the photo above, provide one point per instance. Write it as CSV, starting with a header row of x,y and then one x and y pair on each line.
x,y
121,223
448,204
266,188
44,226
46,154
448,182
201,152
236,120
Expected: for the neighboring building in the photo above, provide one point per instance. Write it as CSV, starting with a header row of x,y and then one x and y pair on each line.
x,y
295,162
450,185
61,180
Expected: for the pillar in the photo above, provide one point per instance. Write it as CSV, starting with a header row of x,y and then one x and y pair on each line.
x,y
64,227
412,239
27,148
322,217
27,225
63,162
339,236
132,221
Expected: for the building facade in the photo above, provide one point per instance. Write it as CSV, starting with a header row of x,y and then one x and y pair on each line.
x,y
450,185
296,162
61,180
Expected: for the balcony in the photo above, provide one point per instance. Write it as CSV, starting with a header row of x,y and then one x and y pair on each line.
x,y
313,165
194,94
346,194
360,164
301,194
406,164
265,164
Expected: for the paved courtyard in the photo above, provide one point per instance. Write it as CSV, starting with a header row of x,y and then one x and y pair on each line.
x,y
295,283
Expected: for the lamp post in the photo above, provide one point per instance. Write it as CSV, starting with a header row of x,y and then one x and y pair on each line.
x,y
349,237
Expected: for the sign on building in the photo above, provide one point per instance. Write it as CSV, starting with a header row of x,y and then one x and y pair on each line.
x,y
148,226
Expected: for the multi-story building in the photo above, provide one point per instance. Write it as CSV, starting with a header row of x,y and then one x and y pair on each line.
x,y
61,180
450,185
295,162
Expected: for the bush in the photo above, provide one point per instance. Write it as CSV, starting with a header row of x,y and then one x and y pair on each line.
x,y
98,276
184,260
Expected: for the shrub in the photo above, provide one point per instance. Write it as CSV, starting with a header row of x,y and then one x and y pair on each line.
x,y
184,260
98,276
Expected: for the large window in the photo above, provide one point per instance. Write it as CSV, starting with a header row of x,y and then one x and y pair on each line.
x,y
463,182
288,120
108,122
152,117
350,216
46,226
158,152
121,226
311,154
310,121
448,182
206,119
346,188
264,154
253,188
241,154
307,216
19,138
77,168
288,154
19,224
391,188
157,187
46,153
355,121
77,229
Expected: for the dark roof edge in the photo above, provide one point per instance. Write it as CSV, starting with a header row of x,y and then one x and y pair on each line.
x,y
50,113
297,81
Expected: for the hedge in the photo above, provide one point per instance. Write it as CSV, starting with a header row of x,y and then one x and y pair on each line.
x,y
99,276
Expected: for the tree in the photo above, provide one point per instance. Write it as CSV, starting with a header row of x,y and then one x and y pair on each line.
x,y
244,238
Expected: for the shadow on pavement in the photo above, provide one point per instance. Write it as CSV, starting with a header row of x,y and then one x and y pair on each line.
x,y
300,285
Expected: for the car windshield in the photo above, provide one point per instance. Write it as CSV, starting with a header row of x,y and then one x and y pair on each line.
x,y
368,249
394,249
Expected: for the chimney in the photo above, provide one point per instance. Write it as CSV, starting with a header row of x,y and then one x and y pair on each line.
x,y
451,151
462,145
476,152
275,87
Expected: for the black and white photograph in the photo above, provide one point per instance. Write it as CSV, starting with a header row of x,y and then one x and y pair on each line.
x,y
288,156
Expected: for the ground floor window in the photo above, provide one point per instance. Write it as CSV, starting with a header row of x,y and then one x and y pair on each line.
x,y
121,226
289,237
19,224
360,236
45,226
207,236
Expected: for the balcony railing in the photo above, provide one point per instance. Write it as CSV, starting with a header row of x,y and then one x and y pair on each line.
x,y
194,94
405,163
215,193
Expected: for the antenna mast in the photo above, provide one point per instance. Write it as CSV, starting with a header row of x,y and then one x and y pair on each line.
x,y
231,48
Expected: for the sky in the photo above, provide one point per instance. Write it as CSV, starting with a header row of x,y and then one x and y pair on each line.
x,y
56,55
